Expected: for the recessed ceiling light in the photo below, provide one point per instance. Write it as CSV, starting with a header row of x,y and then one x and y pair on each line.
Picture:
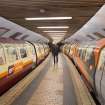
x,y
49,18
42,10
54,27
54,31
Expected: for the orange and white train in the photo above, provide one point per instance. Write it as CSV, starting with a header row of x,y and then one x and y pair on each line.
x,y
90,61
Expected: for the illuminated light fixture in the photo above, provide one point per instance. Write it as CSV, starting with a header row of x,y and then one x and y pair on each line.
x,y
57,37
57,27
54,31
49,18
57,34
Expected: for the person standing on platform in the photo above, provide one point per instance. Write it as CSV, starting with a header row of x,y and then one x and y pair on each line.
x,y
55,52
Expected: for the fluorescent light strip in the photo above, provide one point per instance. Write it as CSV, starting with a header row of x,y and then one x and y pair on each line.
x,y
49,18
57,37
57,27
54,31
56,34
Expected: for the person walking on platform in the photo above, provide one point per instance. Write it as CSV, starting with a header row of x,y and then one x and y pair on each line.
x,y
55,52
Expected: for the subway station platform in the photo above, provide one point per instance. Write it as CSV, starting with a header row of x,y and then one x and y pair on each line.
x,y
50,84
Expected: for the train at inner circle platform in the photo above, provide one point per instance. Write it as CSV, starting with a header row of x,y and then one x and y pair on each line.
x,y
17,59
90,62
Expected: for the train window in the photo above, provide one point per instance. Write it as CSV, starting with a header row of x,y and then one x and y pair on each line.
x,y
83,53
79,51
30,50
2,61
90,61
68,49
101,64
71,50
23,52
89,55
39,45
42,49
11,54
38,50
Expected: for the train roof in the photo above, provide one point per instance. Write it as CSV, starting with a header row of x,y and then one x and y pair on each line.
x,y
101,43
10,40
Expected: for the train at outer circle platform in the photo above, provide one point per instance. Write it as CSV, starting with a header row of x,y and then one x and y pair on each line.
x,y
17,59
90,62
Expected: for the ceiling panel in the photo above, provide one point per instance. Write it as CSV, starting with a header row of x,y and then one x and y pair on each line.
x,y
80,10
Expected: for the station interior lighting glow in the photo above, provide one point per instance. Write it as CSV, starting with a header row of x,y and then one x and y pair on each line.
x,y
55,27
54,31
49,18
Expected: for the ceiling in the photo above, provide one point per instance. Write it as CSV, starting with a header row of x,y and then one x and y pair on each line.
x,y
80,11
93,30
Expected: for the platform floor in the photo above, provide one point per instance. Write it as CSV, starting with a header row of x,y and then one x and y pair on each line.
x,y
53,86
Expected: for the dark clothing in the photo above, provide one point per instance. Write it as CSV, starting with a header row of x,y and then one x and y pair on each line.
x,y
55,58
55,51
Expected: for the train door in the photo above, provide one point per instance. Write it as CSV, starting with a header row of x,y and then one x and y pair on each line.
x,y
90,61
103,79
90,64
37,52
2,56
68,49
100,77
30,51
